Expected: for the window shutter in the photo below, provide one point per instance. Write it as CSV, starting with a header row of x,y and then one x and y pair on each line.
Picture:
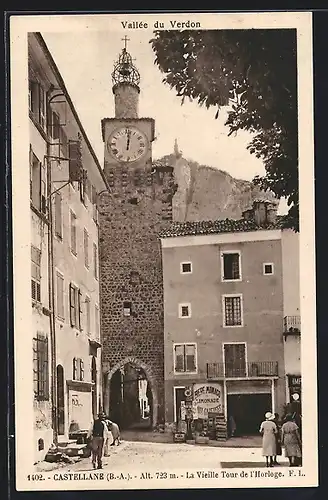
x,y
79,309
75,161
86,248
81,369
179,358
74,369
190,352
58,214
72,304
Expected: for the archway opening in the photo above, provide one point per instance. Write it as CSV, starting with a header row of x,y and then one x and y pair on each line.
x,y
131,402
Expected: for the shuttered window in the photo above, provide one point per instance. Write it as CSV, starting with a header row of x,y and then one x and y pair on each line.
x,y
41,367
36,274
58,215
185,358
75,306
73,233
35,180
78,369
235,360
88,315
60,295
86,248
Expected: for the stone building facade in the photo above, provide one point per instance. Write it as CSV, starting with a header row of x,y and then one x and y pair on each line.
x,y
65,177
138,206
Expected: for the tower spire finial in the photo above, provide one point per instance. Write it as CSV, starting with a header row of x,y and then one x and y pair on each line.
x,y
125,40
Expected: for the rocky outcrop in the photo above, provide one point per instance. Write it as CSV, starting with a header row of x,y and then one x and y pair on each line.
x,y
207,193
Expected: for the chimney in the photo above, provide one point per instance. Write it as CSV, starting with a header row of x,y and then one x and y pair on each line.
x,y
260,212
272,209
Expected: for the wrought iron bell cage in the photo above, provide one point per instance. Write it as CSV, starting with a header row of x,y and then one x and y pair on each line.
x,y
125,71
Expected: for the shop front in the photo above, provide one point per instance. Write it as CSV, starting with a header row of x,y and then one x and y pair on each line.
x,y
247,403
294,387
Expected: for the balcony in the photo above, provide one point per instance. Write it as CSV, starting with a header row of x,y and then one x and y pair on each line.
x,y
292,325
253,369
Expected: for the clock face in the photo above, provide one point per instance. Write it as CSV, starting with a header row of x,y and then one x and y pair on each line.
x,y
127,144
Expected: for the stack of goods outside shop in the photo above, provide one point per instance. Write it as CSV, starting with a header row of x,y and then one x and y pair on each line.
x,y
202,415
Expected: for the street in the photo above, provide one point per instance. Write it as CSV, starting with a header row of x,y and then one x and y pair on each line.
x,y
141,456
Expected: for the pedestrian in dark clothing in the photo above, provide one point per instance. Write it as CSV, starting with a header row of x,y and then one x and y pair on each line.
x,y
278,438
98,433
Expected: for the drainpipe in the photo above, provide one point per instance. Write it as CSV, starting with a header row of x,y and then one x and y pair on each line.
x,y
51,280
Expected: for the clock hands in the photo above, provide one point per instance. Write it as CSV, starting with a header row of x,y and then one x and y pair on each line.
x,y
128,139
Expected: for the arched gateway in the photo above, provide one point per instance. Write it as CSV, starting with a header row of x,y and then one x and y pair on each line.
x,y
131,394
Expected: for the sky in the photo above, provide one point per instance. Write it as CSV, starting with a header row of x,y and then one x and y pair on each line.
x,y
85,60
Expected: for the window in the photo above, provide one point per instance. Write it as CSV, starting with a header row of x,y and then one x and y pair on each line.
x,y
184,311
95,261
75,306
37,183
88,315
41,367
235,360
97,321
185,268
86,248
55,125
73,233
127,308
60,295
78,369
58,215
185,358
37,102
232,310
36,274
230,266
268,268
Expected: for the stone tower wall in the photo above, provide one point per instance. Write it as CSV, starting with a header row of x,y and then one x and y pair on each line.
x,y
126,100
139,206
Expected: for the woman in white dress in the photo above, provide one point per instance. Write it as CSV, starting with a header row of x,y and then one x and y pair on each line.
x,y
268,429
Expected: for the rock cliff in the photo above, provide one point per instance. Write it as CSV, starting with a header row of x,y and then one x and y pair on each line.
x,y
207,193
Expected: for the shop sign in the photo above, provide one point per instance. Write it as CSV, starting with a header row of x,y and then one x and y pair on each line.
x,y
208,398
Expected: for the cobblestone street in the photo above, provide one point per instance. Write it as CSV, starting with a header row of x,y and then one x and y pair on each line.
x,y
142,456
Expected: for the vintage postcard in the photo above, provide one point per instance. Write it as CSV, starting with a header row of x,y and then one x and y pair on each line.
x,y
164,251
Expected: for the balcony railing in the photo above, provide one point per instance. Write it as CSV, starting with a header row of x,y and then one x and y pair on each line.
x,y
253,369
292,325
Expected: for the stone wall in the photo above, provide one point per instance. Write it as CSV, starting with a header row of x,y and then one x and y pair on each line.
x,y
139,206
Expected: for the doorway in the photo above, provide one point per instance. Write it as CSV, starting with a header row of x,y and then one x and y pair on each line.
x,y
60,401
130,398
248,411
179,397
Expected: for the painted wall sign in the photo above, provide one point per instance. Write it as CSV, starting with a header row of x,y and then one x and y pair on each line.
x,y
208,398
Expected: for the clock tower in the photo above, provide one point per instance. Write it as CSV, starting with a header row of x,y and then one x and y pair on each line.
x,y
138,206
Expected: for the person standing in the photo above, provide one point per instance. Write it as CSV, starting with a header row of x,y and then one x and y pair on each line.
x,y
276,420
98,434
115,430
268,429
291,440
